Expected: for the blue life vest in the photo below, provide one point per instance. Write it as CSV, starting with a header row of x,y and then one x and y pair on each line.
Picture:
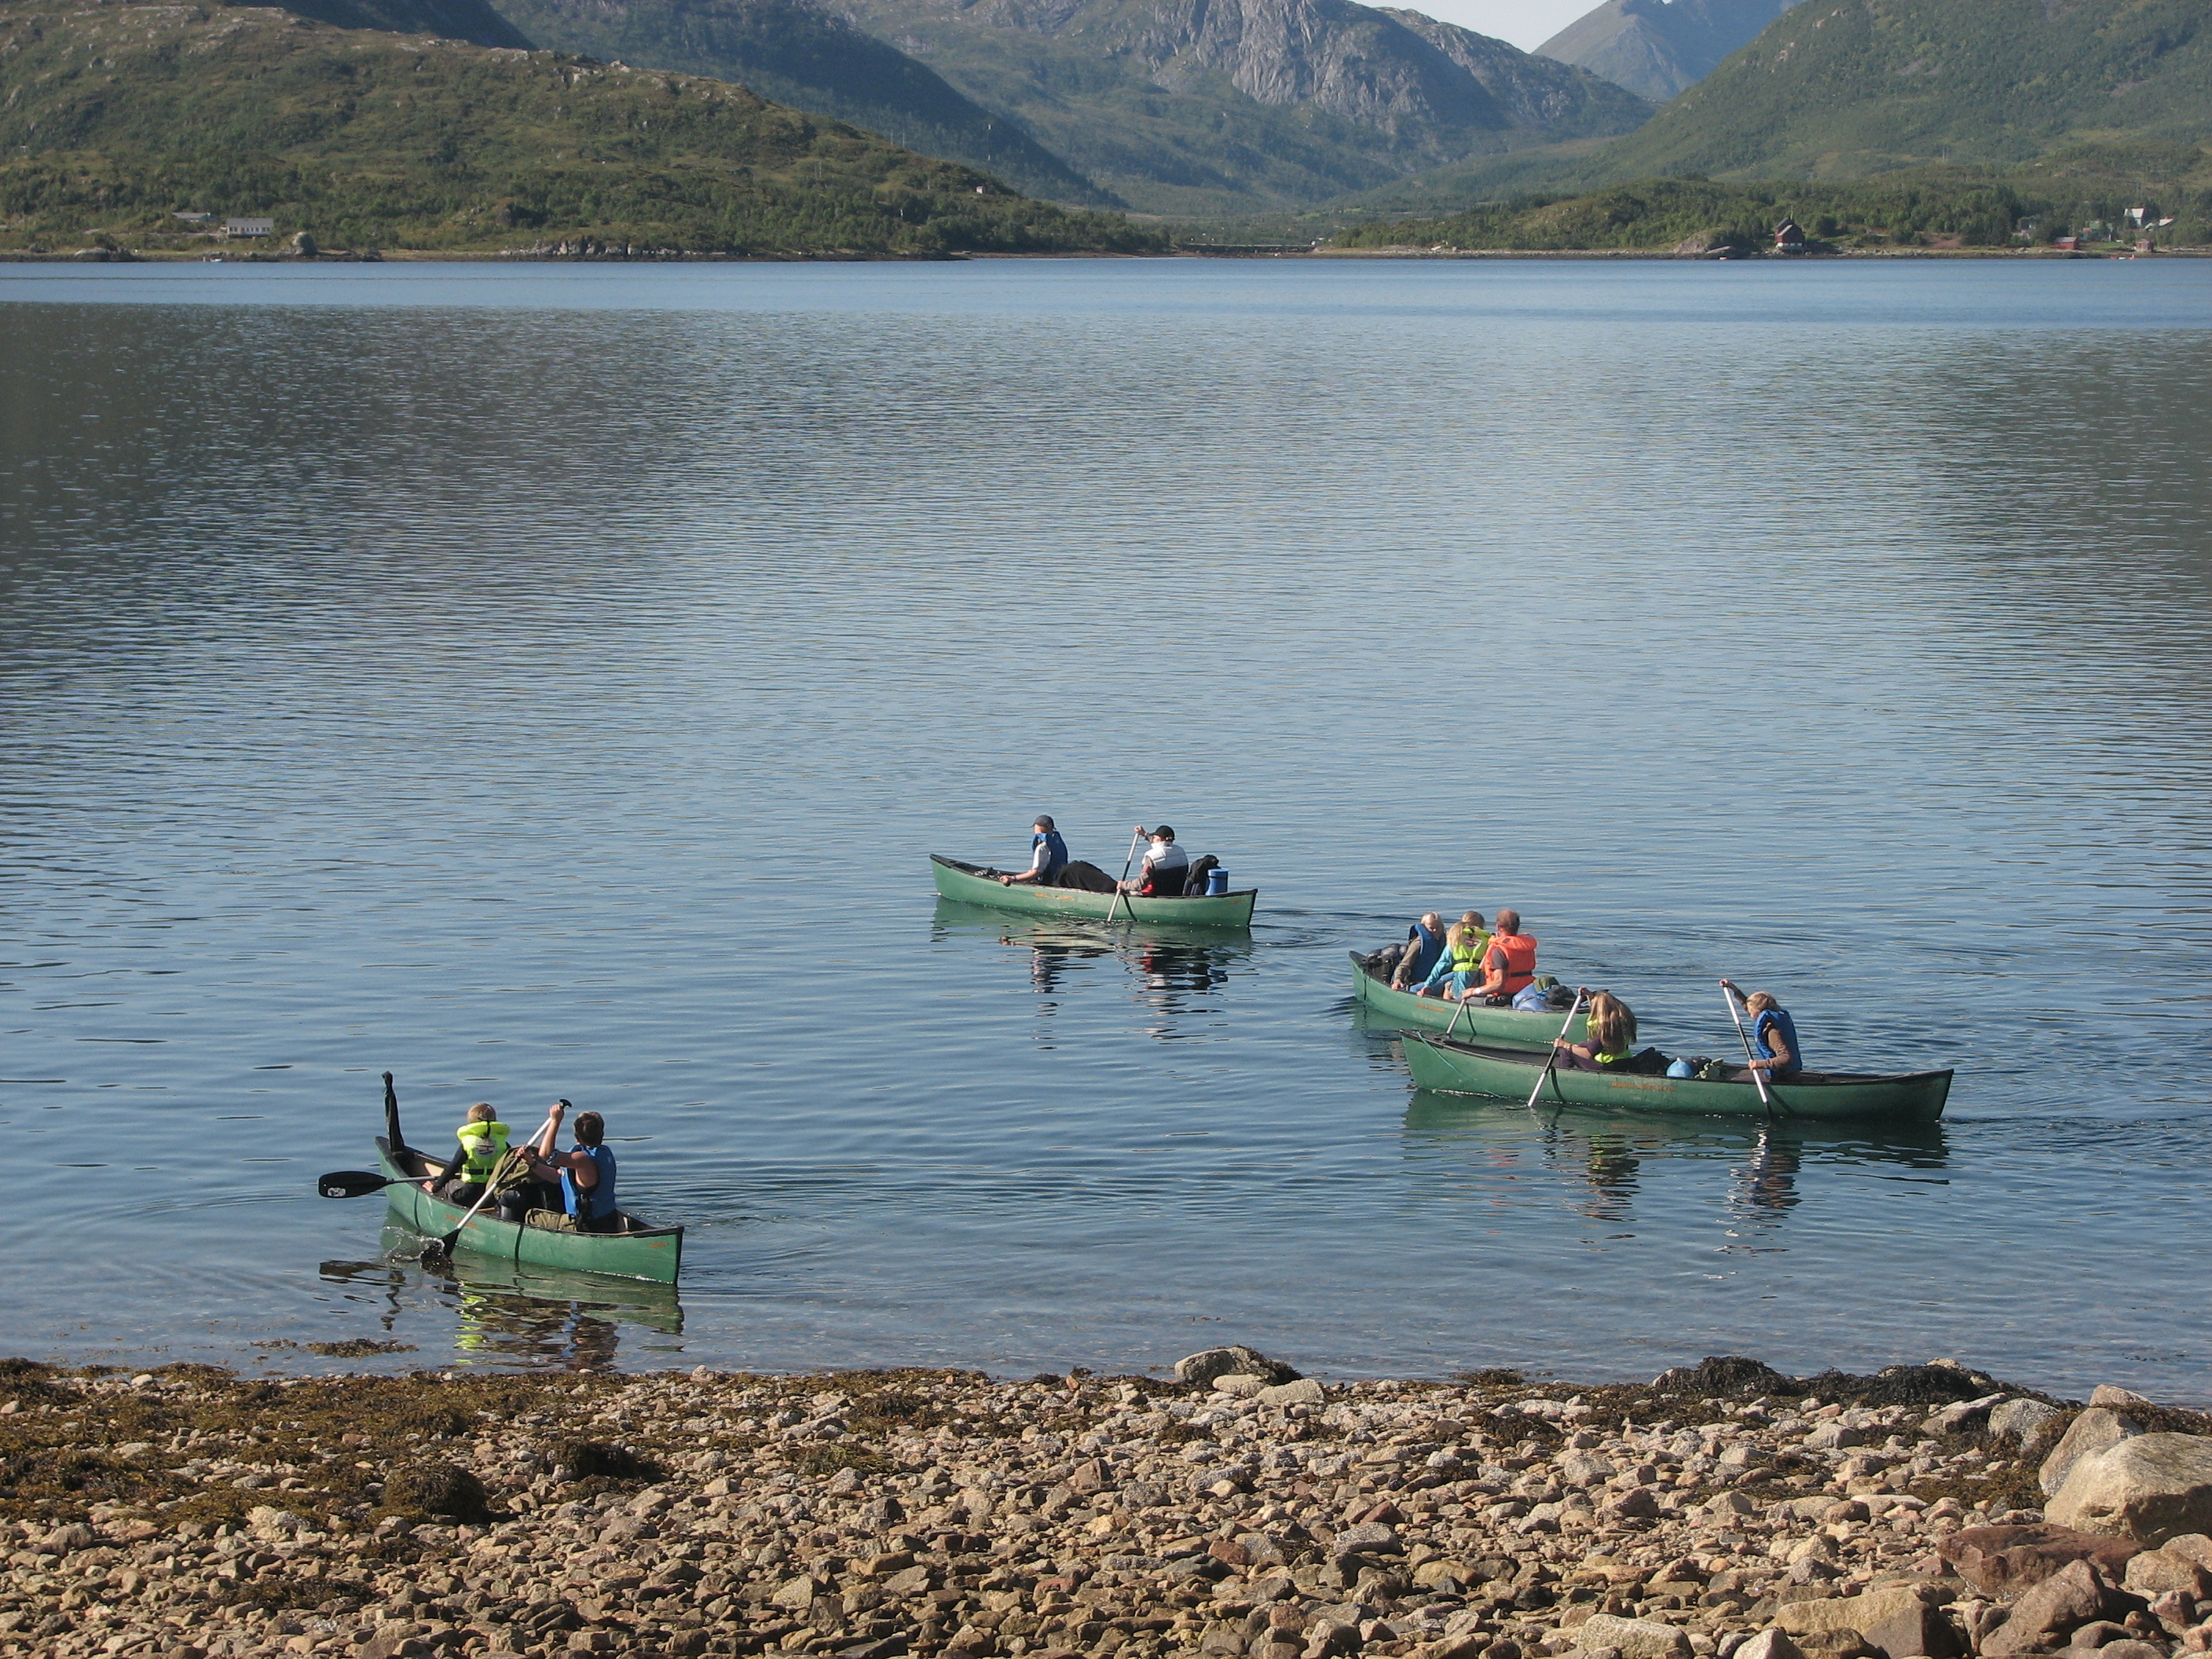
x,y
1423,958
1056,852
599,1203
1777,1019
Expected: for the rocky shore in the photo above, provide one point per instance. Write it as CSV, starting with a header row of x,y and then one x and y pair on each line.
x,y
1239,1511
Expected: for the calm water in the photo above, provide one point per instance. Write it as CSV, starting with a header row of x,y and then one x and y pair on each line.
x,y
551,682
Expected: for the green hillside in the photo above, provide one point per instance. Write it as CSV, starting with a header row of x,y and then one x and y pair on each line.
x,y
792,52
1840,91
114,118
2087,191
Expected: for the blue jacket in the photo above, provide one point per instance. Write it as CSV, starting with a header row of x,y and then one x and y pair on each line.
x,y
1774,1019
1055,856
599,1203
1420,961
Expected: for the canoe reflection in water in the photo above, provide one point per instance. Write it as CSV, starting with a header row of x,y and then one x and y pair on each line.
x,y
504,1313
1169,965
1602,1165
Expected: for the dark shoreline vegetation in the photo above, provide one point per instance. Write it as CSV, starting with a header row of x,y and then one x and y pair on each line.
x,y
365,140
1234,1511
2088,195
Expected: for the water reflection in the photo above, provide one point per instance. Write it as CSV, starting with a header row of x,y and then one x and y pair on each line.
x,y
1172,970
505,1314
1606,1166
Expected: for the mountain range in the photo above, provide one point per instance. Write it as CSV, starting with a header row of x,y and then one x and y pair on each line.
x,y
1657,48
1181,106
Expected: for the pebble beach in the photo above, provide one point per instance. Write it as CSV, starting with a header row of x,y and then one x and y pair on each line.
x,y
1237,1510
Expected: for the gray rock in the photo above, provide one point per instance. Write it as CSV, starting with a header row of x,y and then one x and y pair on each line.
x,y
2117,1399
1900,1621
1368,1538
2021,1419
1633,1638
1834,1437
2131,1648
1240,1385
1962,1414
2096,1429
1303,1392
1203,1368
2150,1487
1770,1645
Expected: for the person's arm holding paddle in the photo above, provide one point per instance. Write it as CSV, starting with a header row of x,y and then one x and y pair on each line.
x,y
1773,1035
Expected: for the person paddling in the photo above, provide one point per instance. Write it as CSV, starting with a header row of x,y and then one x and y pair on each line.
x,y
1509,962
1047,855
585,1177
1775,1050
1612,1030
1167,866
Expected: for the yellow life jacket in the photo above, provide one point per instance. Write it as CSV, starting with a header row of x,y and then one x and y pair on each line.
x,y
1467,953
483,1146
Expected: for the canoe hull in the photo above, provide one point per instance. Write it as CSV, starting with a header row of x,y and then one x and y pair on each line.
x,y
655,1257
1508,1027
1452,1067
956,880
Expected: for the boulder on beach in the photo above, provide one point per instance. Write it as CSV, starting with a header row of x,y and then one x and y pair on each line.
x,y
2150,1487
2096,1429
1202,1370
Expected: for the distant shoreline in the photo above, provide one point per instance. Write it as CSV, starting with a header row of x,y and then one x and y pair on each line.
x,y
80,257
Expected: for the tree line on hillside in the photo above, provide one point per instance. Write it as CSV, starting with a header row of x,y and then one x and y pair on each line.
x,y
63,203
1961,208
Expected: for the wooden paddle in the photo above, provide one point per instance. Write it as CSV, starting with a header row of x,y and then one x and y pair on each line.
x,y
1552,1057
1126,863
1728,995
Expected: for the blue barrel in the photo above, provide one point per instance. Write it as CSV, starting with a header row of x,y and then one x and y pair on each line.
x,y
1217,882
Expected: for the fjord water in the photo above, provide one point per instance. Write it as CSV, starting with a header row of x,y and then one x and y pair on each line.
x,y
550,681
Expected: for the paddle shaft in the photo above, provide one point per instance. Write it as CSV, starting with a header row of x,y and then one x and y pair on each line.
x,y
1552,1055
1126,863
1749,1058
491,1188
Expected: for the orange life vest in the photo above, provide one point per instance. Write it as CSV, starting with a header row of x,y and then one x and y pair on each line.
x,y
1519,950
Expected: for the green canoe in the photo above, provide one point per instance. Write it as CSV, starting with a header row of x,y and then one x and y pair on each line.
x,y
972,884
639,1251
1467,1068
1507,1027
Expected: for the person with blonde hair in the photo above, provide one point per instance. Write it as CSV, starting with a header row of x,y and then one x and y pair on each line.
x,y
1775,1051
1612,1033
1460,960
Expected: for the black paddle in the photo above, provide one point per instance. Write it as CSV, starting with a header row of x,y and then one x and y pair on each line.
x,y
357,1183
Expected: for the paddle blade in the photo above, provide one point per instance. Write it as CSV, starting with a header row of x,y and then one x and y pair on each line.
x,y
349,1184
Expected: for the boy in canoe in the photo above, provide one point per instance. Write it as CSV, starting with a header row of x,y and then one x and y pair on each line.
x,y
576,1188
484,1143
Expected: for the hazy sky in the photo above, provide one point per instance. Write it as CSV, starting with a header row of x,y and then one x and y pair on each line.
x,y
1526,23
